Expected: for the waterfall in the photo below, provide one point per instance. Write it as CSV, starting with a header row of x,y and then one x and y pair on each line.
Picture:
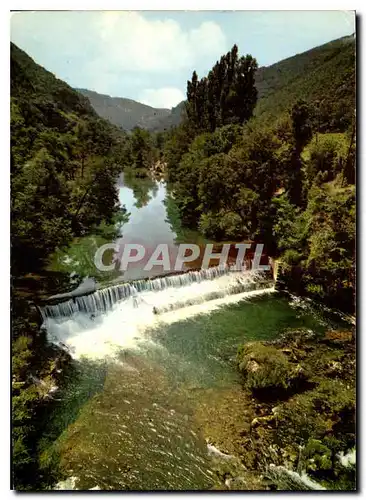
x,y
246,283
102,323
104,299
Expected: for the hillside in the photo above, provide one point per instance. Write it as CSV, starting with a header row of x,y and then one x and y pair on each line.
x,y
59,147
285,179
63,176
127,114
172,120
43,90
325,74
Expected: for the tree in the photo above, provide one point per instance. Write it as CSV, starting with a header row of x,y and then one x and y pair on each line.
x,y
226,96
302,132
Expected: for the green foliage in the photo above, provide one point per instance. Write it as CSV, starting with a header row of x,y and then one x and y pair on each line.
x,y
321,240
183,233
326,154
141,151
232,176
222,182
288,227
330,217
301,124
317,456
227,95
288,185
34,365
64,165
62,160
176,145
21,356
311,424
325,414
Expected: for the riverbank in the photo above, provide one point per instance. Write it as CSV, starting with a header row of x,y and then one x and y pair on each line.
x,y
292,426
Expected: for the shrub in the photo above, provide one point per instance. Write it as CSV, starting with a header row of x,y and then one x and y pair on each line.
x,y
329,409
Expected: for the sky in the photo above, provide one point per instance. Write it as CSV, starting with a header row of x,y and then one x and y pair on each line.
x,y
149,56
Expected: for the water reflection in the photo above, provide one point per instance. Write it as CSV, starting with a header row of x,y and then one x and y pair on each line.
x,y
144,189
148,216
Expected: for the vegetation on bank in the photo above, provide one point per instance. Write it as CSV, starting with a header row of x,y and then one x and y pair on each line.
x,y
65,161
64,165
290,183
282,172
302,392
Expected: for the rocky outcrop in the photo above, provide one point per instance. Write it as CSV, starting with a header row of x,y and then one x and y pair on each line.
x,y
301,391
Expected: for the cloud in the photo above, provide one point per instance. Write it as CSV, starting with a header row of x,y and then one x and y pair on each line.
x,y
108,51
161,98
138,44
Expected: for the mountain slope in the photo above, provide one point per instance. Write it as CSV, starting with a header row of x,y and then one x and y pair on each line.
x,y
62,183
33,82
324,76
126,113
60,157
172,120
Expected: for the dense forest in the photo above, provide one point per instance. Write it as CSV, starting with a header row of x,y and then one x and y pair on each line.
x,y
266,155
289,182
61,153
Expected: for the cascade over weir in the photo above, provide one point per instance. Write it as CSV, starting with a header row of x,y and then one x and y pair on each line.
x,y
223,281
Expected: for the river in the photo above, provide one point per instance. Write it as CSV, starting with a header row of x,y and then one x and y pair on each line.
x,y
151,395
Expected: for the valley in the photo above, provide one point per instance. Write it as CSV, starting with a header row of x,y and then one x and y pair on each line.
x,y
143,379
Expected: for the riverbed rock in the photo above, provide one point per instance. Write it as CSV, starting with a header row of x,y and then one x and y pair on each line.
x,y
310,419
263,366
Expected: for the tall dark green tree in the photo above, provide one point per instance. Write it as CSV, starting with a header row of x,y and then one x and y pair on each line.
x,y
302,132
226,96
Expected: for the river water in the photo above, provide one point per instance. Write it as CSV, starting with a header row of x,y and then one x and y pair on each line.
x,y
146,387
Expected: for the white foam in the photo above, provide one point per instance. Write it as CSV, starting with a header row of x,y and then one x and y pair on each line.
x,y
212,450
68,484
212,305
348,459
127,324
